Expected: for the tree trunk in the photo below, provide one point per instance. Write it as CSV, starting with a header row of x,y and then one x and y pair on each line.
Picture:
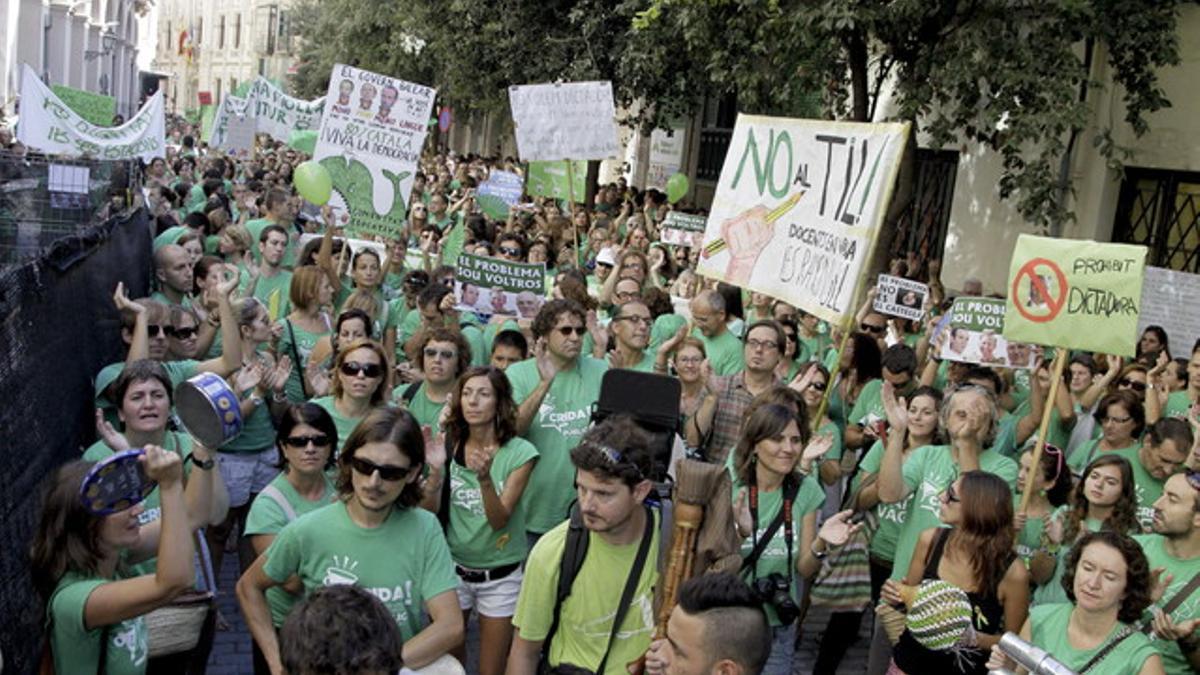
x,y
858,58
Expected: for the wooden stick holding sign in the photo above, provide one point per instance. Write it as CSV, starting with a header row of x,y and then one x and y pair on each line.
x,y
1060,360
571,210
847,331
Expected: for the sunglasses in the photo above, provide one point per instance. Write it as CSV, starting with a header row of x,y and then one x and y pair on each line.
x,y
352,368
868,328
952,494
319,440
387,473
181,333
161,331
819,386
567,330
509,251
431,353
606,266
1132,384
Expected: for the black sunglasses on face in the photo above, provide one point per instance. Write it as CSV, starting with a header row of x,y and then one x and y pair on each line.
x,y
431,353
352,368
510,251
155,329
386,472
567,330
319,440
181,333
1132,384
868,328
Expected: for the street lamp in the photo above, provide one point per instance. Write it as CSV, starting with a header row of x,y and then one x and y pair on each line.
x,y
108,40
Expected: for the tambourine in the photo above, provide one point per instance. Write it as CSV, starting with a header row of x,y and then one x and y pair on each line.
x,y
208,409
116,483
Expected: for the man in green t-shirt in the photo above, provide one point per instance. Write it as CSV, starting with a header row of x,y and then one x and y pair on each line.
x,y
723,349
173,270
630,329
555,391
1165,449
274,283
280,211
1175,548
867,420
612,467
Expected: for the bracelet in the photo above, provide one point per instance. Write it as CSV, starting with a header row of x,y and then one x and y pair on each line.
x,y
279,397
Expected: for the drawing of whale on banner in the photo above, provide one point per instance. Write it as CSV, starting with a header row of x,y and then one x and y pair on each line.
x,y
274,112
372,130
49,125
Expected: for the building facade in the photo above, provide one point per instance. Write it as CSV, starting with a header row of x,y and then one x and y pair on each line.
x,y
214,46
86,44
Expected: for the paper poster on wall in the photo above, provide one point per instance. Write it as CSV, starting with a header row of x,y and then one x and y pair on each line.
x,y
567,120
976,327
1075,294
798,208
371,136
897,296
1171,300
499,287
49,125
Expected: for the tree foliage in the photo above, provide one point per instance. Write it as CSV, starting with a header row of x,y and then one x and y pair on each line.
x,y
1005,74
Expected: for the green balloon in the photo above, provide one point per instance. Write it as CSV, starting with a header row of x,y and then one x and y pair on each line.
x,y
677,187
313,182
432,122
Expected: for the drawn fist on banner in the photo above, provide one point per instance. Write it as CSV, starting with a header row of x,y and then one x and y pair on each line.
x,y
746,235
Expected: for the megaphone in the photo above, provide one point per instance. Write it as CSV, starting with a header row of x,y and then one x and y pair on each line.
x,y
1033,659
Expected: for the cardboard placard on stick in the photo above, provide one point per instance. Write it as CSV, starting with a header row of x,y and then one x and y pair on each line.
x,y
1060,360
976,335
499,287
897,296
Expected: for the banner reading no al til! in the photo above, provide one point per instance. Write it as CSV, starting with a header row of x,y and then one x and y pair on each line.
x,y
1075,294
799,206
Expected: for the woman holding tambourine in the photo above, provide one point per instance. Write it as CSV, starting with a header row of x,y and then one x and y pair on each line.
x,y
83,548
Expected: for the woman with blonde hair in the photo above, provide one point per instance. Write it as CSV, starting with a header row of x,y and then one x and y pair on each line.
x,y
311,295
358,385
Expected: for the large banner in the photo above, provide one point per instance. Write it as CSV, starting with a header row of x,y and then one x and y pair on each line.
x,y
1171,300
568,120
274,112
95,108
49,125
371,135
499,287
798,208
1075,294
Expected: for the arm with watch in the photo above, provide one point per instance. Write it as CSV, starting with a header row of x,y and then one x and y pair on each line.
x,y
204,494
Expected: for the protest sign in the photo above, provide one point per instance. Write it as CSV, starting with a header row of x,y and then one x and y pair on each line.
x,y
95,108
683,229
501,191
371,135
897,296
49,125
1171,300
274,112
239,135
549,179
357,245
798,207
976,336
1075,294
567,120
666,156
208,115
494,286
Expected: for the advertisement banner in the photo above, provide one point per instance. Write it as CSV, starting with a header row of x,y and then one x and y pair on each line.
x,y
798,208
566,120
1075,294
49,125
371,135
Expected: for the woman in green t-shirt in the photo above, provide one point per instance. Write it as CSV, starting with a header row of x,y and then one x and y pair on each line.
x,y
1122,419
310,293
480,504
78,562
1051,489
1108,586
357,386
1105,500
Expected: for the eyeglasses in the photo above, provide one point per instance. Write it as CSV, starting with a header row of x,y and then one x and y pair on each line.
x,y
505,250
386,472
765,345
352,368
431,353
567,330
181,333
636,320
689,360
155,329
868,328
626,295
1132,384
319,440
952,494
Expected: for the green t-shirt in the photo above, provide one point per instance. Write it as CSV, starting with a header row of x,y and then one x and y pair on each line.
x,y
1147,488
473,542
1154,546
1006,435
160,297
77,649
404,562
725,352
833,430
927,472
297,342
275,294
1052,591
1058,434
665,327
557,427
813,348
425,410
891,516
344,425
773,560
267,516
585,618
1048,630
1178,403
1089,451
258,431
1029,538
868,408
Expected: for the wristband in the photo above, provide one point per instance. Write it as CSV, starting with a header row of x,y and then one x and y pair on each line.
x,y
202,464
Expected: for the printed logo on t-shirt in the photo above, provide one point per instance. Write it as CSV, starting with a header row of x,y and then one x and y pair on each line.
x,y
397,597
130,639
568,423
465,497
599,628
894,513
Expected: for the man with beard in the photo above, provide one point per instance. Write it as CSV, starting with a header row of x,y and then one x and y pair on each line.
x,y
1162,452
387,99
717,424
611,469
1175,549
